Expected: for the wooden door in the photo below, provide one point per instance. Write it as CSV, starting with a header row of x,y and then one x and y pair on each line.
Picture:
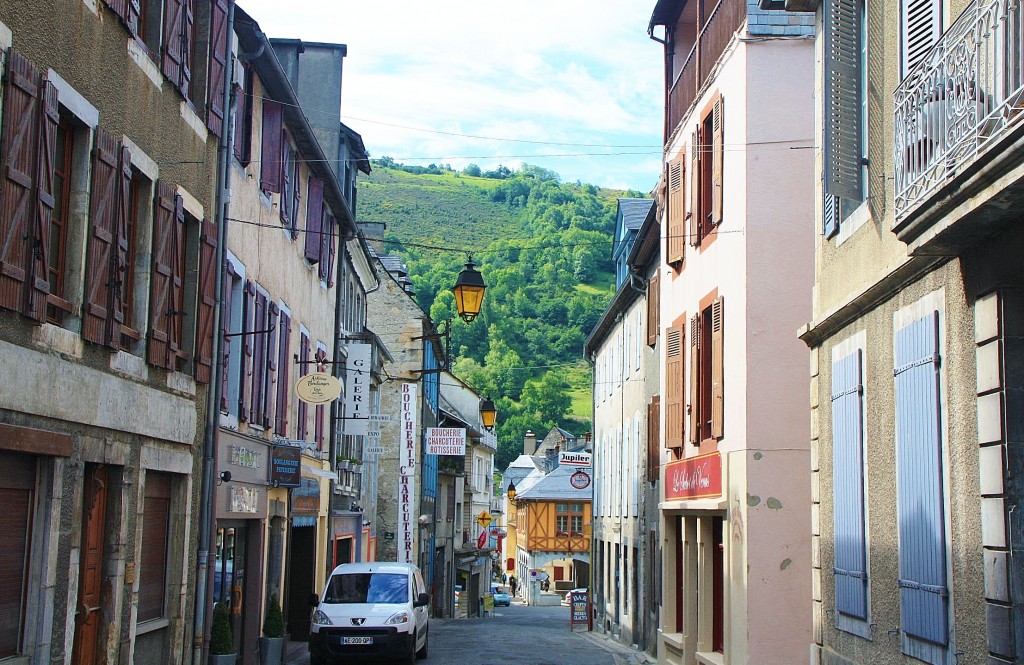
x,y
88,610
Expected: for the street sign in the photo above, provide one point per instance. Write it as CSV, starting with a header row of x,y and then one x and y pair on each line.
x,y
379,417
482,540
580,480
484,519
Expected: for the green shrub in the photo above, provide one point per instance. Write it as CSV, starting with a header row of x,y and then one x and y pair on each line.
x,y
221,641
273,622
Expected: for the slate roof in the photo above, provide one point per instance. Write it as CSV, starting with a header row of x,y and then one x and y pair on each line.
x,y
634,212
556,486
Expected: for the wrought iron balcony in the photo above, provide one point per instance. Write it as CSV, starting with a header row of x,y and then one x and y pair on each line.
x,y
962,100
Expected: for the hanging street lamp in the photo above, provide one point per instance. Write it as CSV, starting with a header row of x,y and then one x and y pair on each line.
x,y
469,292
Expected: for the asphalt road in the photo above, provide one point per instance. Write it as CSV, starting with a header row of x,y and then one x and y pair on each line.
x,y
519,635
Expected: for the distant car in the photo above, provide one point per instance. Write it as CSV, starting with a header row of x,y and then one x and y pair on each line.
x,y
569,594
501,596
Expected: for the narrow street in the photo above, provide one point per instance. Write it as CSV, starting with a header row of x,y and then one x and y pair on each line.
x,y
519,634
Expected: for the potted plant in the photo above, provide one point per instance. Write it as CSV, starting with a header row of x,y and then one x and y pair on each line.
x,y
222,647
272,642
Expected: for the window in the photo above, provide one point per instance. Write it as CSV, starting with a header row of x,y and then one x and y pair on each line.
x,y
290,192
845,33
243,114
167,286
58,304
17,493
167,28
706,373
264,358
156,539
283,370
707,154
232,320
923,544
140,193
304,368
850,568
207,300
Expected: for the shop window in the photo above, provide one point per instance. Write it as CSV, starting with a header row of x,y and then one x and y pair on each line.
x,y
154,552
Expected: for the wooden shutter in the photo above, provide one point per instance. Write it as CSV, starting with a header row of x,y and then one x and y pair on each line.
x,y
717,368
654,437
921,27
924,592
314,218
160,301
248,348
20,123
653,309
207,300
286,183
103,209
302,426
128,12
119,269
850,568
174,18
38,273
842,152
187,37
325,244
676,244
177,295
156,540
259,359
243,118
225,327
273,313
283,380
330,250
674,386
717,159
693,231
218,66
296,196
271,151
695,405
17,485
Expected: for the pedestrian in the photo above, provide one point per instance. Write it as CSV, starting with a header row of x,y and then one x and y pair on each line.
x,y
512,582
504,578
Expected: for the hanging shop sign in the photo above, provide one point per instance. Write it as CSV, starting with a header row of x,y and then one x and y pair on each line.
x,y
446,441
580,480
574,459
694,478
318,388
407,439
285,464
357,388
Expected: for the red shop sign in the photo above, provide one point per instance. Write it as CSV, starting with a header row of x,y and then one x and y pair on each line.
x,y
694,477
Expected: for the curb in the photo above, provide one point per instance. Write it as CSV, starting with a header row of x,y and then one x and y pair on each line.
x,y
623,654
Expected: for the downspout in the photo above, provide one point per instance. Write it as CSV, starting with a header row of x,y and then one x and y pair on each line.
x,y
216,390
335,417
669,54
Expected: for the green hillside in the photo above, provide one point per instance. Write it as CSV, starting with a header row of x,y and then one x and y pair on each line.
x,y
544,250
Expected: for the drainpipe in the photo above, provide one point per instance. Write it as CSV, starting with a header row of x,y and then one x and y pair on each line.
x,y
215,392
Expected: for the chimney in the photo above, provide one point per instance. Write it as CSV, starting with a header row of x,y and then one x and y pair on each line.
x,y
374,234
529,443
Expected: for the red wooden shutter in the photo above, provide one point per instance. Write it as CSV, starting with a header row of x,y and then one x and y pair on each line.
x,y
273,312
653,309
38,277
96,307
119,268
248,348
128,12
271,151
695,406
717,368
674,387
695,208
207,300
302,426
654,438
174,17
314,218
225,326
20,122
676,212
177,311
167,285
717,157
283,381
259,358
218,66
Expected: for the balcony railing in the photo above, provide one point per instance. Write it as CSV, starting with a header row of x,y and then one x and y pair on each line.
x,y
965,93
723,22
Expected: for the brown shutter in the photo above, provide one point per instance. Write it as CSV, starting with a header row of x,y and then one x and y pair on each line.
x,y
156,524
177,299
302,427
676,212
38,281
207,300
248,348
283,379
20,122
653,309
695,208
273,312
259,358
103,209
128,12
717,157
17,486
225,326
674,387
654,438
174,16
271,151
717,368
314,218
218,66
119,268
187,37
162,275
695,406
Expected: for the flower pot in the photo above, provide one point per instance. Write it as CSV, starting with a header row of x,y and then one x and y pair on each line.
x,y
222,659
271,650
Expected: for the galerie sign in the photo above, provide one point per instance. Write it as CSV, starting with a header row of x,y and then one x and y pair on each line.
x,y
357,388
694,478
407,439
446,441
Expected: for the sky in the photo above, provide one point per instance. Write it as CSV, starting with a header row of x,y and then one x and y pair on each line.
x,y
574,86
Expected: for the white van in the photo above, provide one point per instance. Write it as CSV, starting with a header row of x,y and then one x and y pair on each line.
x,y
373,611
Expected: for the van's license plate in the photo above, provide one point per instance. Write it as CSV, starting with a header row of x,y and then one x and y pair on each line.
x,y
357,640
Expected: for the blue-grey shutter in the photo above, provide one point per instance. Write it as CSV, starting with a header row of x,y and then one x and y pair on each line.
x,y
924,596
921,27
830,215
850,568
842,32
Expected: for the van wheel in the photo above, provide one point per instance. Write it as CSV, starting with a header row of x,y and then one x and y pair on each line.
x,y
422,653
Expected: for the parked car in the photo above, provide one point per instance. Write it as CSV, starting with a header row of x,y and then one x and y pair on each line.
x,y
376,610
501,596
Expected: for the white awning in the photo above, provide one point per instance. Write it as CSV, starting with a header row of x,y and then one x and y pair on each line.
x,y
318,473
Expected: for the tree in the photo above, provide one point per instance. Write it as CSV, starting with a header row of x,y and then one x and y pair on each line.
x,y
472,170
547,398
